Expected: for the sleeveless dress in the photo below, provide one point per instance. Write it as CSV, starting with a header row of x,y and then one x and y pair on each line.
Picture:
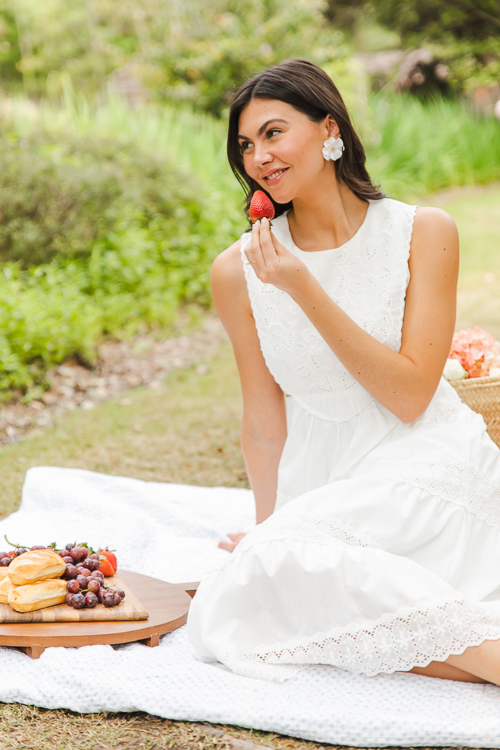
x,y
383,552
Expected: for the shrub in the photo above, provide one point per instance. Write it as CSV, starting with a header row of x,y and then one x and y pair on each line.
x,y
61,193
121,236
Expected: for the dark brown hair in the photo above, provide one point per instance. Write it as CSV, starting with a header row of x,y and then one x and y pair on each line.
x,y
307,88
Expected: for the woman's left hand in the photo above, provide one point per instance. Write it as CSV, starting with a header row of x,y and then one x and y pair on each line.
x,y
272,262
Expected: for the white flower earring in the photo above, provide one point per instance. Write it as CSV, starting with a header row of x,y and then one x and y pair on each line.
x,y
333,149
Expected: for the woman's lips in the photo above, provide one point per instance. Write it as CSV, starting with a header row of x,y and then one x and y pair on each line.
x,y
275,176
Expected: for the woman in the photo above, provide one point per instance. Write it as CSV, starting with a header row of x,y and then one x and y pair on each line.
x,y
377,545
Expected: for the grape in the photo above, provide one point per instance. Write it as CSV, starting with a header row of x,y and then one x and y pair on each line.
x,y
116,598
69,546
121,592
70,572
97,574
93,585
78,553
85,572
93,564
20,551
94,556
100,594
78,601
5,561
82,581
3,554
37,546
91,600
69,599
73,587
108,599
68,560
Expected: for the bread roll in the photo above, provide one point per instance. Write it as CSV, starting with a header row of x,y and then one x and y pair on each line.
x,y
36,565
3,572
37,595
6,587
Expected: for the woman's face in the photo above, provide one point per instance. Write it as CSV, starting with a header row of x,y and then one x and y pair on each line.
x,y
281,148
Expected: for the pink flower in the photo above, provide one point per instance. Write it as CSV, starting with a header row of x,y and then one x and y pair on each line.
x,y
476,350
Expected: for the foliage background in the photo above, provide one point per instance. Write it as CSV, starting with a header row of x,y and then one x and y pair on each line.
x,y
115,195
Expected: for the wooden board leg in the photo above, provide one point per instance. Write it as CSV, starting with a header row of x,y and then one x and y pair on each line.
x,y
34,652
153,640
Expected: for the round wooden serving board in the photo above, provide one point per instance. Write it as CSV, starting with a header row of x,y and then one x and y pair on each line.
x,y
166,603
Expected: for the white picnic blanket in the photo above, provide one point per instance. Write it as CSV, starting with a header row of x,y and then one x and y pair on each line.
x,y
171,532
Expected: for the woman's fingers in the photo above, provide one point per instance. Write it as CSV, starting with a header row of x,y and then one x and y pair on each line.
x,y
254,252
271,247
266,254
230,546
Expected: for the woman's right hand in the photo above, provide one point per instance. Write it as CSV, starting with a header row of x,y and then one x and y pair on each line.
x,y
230,546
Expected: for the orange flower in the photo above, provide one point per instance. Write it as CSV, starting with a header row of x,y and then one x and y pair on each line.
x,y
476,350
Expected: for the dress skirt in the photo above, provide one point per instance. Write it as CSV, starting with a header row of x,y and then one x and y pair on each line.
x,y
383,552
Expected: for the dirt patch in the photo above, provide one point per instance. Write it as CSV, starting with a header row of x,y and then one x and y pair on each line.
x,y
143,361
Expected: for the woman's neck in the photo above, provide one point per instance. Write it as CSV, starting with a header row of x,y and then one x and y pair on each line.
x,y
326,218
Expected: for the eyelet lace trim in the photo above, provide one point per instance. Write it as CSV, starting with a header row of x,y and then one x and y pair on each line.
x,y
454,481
304,528
367,277
440,415
398,642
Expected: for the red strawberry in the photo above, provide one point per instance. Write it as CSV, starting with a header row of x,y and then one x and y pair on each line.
x,y
108,562
260,207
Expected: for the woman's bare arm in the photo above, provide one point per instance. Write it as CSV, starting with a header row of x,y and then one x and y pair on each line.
x,y
263,429
404,382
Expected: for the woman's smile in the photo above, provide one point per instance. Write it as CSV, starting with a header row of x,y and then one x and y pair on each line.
x,y
274,177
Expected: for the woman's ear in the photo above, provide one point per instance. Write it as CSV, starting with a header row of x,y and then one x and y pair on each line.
x,y
332,127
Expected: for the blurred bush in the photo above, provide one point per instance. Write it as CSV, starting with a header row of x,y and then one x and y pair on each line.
x,y
191,51
461,37
60,193
98,236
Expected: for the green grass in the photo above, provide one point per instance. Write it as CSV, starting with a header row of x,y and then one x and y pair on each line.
x,y
477,214
421,148
187,432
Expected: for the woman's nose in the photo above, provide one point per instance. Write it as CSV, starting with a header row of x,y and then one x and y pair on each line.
x,y
261,155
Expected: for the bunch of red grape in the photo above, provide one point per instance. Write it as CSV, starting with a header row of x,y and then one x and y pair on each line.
x,y
85,581
7,557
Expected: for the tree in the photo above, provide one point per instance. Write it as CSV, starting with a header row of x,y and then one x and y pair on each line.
x,y
430,19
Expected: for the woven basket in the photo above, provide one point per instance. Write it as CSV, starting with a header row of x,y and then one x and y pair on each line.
x,y
483,396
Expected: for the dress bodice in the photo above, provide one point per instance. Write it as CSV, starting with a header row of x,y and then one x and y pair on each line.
x,y
367,277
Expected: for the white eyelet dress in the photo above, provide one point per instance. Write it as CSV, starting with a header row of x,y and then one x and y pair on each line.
x,y
383,552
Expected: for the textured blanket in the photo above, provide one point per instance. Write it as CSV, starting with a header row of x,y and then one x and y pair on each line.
x,y
171,532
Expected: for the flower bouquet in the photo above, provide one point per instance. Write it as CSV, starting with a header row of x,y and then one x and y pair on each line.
x,y
474,353
473,369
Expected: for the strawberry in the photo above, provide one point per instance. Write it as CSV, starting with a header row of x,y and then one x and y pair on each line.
x,y
108,562
260,207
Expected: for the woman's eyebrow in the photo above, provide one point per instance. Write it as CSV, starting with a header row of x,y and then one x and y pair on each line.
x,y
263,127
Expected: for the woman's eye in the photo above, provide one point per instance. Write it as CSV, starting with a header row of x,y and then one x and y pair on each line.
x,y
272,132
244,145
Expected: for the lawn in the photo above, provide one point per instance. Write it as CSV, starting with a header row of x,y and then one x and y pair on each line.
x,y
188,431
477,214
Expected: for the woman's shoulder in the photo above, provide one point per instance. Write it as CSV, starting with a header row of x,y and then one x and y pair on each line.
x,y
424,215
433,218
227,268
435,238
